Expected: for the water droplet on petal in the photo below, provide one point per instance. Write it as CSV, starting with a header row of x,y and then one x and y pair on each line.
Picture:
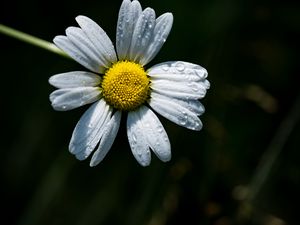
x,y
183,119
160,130
201,72
194,87
180,66
165,67
134,138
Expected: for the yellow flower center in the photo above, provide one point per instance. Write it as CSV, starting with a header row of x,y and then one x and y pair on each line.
x,y
125,86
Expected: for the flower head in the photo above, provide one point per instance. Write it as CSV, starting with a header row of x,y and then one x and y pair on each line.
x,y
118,83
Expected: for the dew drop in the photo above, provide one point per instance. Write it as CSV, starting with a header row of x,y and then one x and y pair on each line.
x,y
201,73
180,66
157,144
134,139
183,119
194,87
165,67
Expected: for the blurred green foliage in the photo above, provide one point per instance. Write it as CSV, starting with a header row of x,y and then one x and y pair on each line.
x,y
242,168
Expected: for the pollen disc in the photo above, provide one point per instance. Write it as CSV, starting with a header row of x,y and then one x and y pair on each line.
x,y
125,86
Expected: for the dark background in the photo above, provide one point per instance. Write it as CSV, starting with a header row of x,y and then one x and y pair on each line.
x,y
242,168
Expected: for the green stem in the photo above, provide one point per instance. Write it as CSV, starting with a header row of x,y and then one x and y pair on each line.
x,y
31,39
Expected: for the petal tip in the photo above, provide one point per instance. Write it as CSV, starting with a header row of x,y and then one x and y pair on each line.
x,y
144,164
169,15
57,38
80,17
93,164
50,80
166,158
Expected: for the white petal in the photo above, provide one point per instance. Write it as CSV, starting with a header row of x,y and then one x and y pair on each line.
x,y
78,54
206,84
176,113
137,139
155,133
142,34
128,15
179,80
99,38
161,32
192,105
70,98
188,71
182,90
109,134
88,130
75,79
82,42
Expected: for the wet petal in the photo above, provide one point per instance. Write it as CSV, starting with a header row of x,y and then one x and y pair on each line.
x,y
89,129
128,16
161,32
80,39
137,139
83,55
109,134
192,105
178,69
176,113
183,90
155,133
102,43
75,79
70,98
142,34
180,80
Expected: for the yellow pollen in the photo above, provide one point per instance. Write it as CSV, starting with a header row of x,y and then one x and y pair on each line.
x,y
125,86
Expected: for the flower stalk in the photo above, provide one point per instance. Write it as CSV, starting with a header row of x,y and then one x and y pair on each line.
x,y
31,40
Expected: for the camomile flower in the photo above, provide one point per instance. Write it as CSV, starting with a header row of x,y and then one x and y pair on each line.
x,y
118,83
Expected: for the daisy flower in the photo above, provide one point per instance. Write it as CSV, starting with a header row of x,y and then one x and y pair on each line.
x,y
117,83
